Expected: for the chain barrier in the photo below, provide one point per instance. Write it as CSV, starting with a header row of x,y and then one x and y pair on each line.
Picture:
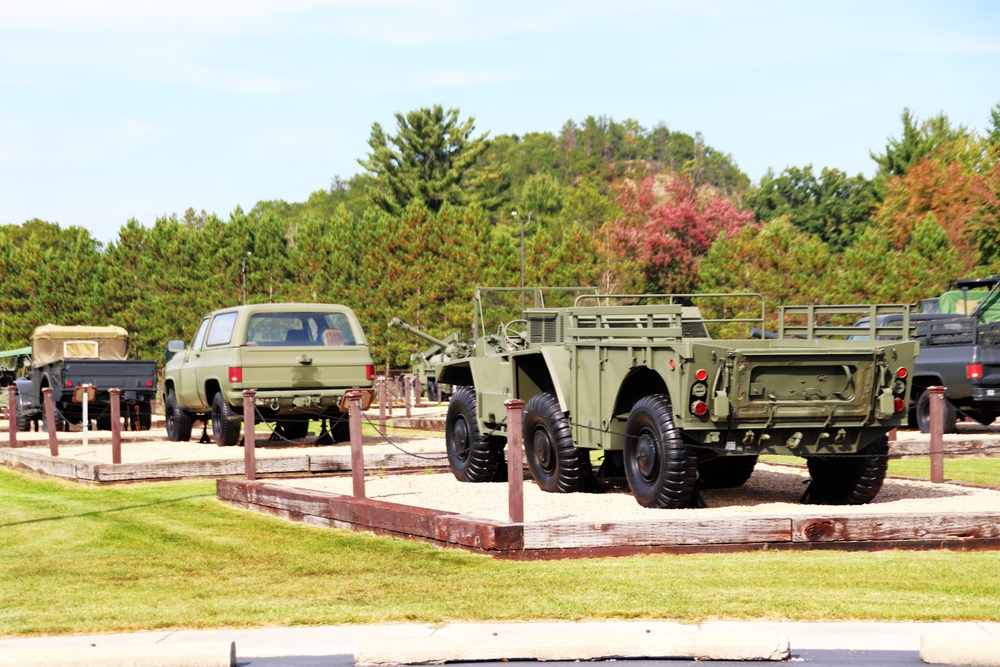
x,y
388,441
276,435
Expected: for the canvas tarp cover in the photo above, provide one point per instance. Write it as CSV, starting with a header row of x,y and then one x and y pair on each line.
x,y
962,303
53,343
11,359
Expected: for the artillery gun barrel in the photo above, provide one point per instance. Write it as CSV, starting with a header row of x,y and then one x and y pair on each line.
x,y
400,324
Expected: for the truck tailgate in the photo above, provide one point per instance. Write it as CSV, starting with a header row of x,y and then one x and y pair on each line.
x,y
305,367
124,375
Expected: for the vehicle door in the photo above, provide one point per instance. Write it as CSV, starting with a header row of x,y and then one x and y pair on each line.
x,y
188,393
216,354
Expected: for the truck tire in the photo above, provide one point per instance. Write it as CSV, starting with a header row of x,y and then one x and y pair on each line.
x,y
557,465
225,430
848,479
178,422
340,427
924,413
660,467
472,456
23,420
145,416
725,472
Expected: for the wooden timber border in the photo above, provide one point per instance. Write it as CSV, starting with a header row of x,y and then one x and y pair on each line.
x,y
40,461
956,531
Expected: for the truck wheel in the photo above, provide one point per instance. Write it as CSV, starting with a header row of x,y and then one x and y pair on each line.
x,y
178,422
848,479
725,472
23,420
924,413
145,416
226,431
557,465
660,467
472,456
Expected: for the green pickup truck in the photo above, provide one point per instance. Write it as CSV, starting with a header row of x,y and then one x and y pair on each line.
x,y
300,358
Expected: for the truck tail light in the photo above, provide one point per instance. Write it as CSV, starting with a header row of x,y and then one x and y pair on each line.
x,y
701,375
898,405
69,383
699,408
974,371
901,373
369,372
236,374
149,383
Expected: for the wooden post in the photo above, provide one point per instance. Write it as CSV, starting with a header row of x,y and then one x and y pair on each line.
x,y
12,415
249,435
357,451
382,398
116,425
937,434
515,459
408,396
417,390
50,420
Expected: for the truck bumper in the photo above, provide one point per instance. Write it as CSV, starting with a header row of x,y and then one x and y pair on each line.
x,y
318,402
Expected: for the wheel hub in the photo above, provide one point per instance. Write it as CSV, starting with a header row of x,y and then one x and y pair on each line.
x,y
461,439
542,446
646,455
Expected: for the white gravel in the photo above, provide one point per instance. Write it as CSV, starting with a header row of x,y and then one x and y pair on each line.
x,y
771,490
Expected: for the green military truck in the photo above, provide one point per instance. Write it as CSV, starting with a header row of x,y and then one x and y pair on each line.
x,y
300,358
640,378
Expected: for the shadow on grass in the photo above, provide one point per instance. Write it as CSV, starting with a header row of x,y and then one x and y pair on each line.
x,y
105,511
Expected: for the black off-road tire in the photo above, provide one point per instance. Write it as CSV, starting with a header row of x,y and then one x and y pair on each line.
x,y
660,467
225,431
23,420
177,421
556,464
145,416
923,411
472,456
725,472
849,479
340,427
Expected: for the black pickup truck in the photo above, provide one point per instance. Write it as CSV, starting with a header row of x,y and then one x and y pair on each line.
x,y
959,335
78,360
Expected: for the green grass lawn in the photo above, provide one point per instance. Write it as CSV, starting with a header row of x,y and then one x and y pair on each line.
x,y
80,559
974,470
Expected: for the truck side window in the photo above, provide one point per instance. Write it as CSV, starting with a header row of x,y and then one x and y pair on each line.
x,y
221,331
199,336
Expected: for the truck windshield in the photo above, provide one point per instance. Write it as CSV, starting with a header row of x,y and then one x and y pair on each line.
x,y
293,329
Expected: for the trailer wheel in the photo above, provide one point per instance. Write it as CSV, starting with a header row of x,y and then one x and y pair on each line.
x,y
178,422
725,472
924,413
557,465
848,479
225,430
292,429
472,456
661,468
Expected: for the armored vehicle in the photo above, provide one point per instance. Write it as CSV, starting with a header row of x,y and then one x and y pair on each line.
x,y
639,378
74,360
301,358
426,364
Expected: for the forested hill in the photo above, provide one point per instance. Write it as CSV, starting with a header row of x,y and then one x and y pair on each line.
x,y
602,202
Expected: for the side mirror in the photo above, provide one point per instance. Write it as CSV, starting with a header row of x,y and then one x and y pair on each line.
x,y
174,347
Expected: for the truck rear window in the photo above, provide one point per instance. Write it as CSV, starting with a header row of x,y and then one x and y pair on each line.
x,y
294,329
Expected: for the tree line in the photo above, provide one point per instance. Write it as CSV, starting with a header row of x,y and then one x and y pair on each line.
x,y
602,202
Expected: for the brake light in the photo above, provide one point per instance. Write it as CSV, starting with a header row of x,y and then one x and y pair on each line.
x,y
149,383
974,371
69,383
699,408
236,374
901,373
701,375
369,372
898,405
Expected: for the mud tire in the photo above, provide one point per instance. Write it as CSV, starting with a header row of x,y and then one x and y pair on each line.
x,y
472,456
660,467
556,464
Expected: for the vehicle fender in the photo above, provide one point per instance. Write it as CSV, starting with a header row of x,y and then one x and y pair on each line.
x,y
557,359
25,393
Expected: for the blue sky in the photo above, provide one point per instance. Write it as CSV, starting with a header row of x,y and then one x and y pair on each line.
x,y
114,109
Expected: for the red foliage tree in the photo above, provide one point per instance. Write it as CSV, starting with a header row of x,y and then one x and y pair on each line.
x,y
668,227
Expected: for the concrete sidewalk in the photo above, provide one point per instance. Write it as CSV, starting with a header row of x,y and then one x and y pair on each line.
x,y
466,639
